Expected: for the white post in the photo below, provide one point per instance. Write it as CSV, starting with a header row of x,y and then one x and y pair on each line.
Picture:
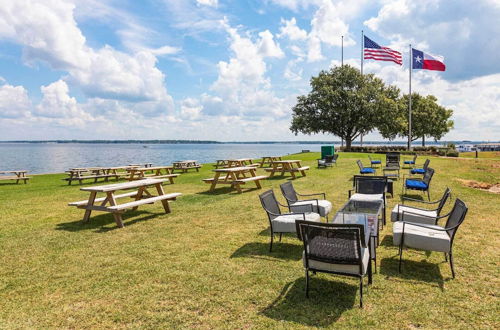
x,y
409,101
362,49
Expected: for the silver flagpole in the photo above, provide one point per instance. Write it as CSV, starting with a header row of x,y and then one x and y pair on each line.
x,y
362,59
409,102
342,52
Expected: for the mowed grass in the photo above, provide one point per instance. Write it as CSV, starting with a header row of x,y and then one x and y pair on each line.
x,y
481,154
207,264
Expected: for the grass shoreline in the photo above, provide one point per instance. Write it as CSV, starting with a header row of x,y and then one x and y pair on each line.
x,y
207,263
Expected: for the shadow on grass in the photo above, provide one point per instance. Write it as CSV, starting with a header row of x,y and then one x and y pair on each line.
x,y
100,223
328,299
283,177
226,190
419,197
281,250
420,271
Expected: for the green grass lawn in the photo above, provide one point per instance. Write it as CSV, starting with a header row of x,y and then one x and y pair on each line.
x,y
207,264
481,154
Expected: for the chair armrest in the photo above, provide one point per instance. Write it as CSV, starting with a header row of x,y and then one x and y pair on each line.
x,y
349,192
420,201
429,227
296,213
301,207
323,194
426,216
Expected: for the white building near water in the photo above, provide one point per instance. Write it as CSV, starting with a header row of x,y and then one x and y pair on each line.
x,y
466,148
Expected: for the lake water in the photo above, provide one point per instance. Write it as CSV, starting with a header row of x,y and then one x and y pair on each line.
x,y
58,157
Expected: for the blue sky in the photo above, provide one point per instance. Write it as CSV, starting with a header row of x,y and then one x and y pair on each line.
x,y
227,70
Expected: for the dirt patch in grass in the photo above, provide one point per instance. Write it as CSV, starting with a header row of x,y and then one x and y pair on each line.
x,y
490,187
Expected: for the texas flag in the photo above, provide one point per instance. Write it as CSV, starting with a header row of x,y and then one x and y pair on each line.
x,y
425,61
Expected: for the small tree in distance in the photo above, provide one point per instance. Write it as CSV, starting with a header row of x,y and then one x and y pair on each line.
x,y
343,102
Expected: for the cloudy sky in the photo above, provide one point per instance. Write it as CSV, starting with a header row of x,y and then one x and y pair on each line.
x,y
227,69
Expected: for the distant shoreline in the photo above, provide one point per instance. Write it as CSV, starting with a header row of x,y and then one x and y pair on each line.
x,y
416,143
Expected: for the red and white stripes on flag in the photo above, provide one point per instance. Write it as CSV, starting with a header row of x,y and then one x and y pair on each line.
x,y
374,51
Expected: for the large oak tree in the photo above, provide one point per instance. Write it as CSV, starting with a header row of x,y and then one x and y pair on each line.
x,y
343,102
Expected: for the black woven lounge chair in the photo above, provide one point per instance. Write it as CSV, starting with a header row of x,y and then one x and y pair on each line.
x,y
402,212
335,249
431,237
279,222
320,206
368,188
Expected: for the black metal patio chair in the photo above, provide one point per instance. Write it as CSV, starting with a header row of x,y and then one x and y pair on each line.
x,y
320,206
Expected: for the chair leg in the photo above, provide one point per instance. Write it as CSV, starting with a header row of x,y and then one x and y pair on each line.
x,y
361,292
280,236
451,265
445,257
370,272
307,283
428,195
400,257
271,244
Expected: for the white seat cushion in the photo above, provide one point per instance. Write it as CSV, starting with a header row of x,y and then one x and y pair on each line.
x,y
340,268
286,223
422,238
416,215
367,197
324,207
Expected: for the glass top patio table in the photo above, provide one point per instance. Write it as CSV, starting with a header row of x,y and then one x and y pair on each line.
x,y
360,212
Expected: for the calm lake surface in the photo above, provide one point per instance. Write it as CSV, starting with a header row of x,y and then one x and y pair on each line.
x,y
58,157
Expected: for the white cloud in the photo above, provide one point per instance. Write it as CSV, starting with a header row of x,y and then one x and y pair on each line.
x,y
267,47
210,3
56,103
48,32
290,30
461,31
14,101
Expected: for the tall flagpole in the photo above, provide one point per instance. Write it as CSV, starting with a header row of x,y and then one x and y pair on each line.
x,y
409,102
362,48
342,52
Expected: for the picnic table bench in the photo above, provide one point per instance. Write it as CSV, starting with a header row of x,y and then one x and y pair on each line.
x,y
141,165
186,165
156,172
269,160
287,166
141,196
17,175
235,176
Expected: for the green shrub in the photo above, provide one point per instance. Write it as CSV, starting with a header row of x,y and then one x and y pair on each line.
x,y
452,153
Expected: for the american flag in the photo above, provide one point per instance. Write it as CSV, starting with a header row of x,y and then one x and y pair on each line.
x,y
374,51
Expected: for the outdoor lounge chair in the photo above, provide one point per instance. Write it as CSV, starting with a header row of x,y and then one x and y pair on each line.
x,y
420,170
335,249
407,213
410,163
329,160
320,206
374,161
369,188
283,222
430,237
364,170
420,184
392,159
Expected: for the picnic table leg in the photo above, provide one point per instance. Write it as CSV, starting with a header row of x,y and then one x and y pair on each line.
x,y
257,182
138,197
86,216
272,172
116,215
214,183
164,202
236,185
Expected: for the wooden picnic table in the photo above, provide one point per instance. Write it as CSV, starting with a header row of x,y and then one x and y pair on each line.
x,y
186,165
287,166
141,196
156,172
79,174
221,163
269,160
142,165
240,162
235,176
18,175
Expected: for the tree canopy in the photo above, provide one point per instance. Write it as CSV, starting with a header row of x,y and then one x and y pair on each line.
x,y
343,102
429,119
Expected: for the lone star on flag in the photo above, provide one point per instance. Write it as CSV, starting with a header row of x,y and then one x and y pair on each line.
x,y
418,59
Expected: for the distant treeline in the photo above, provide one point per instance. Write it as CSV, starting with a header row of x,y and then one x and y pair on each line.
x,y
232,142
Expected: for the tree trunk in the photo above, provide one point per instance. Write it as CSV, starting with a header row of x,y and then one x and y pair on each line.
x,y
348,142
423,141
